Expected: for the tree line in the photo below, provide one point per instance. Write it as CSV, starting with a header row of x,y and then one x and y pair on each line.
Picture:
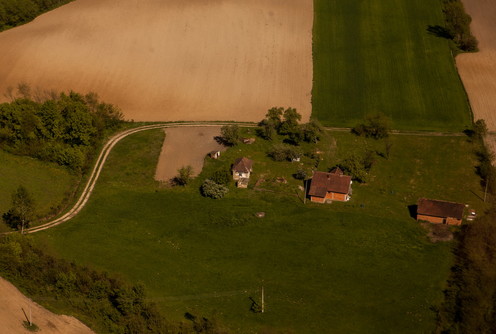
x,y
107,304
63,128
470,298
457,23
16,12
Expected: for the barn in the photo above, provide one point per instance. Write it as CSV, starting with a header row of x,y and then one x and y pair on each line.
x,y
440,212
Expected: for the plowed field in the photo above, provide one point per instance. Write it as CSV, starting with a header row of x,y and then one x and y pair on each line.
x,y
162,60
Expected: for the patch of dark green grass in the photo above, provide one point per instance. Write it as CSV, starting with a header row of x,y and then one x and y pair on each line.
x,y
344,267
48,183
377,56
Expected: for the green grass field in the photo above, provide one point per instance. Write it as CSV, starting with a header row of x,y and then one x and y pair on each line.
x,y
359,267
47,183
377,56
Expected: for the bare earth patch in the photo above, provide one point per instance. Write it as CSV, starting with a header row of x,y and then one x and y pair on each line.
x,y
186,146
12,303
164,60
478,70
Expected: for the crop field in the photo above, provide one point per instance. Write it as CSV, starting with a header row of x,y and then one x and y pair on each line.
x,y
377,56
169,60
478,70
47,183
364,266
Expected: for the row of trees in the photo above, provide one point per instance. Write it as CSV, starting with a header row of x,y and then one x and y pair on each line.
x,y
17,12
109,304
457,23
64,128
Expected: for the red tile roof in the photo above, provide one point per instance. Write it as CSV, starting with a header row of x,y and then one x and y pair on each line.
x,y
242,165
335,182
431,207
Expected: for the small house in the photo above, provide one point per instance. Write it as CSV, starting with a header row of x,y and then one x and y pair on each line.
x,y
328,187
214,154
242,168
440,212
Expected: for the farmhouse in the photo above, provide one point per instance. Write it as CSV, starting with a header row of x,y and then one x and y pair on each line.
x,y
440,212
241,170
328,187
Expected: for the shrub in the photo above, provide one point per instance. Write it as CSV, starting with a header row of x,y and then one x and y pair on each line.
x,y
213,190
375,126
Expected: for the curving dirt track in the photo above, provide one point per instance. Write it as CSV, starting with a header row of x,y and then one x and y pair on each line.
x,y
478,70
12,304
165,60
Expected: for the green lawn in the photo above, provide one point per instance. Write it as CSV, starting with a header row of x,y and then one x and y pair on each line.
x,y
48,183
358,267
377,56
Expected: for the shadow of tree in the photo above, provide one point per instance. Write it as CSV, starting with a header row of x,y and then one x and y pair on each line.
x,y
439,31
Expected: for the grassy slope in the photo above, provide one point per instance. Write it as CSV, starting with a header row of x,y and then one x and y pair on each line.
x,y
377,55
340,268
48,183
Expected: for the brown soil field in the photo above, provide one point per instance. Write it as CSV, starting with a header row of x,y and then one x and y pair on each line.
x,y
186,146
12,304
163,60
478,70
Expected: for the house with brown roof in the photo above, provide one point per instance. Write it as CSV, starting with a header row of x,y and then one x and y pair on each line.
x,y
440,212
328,187
241,170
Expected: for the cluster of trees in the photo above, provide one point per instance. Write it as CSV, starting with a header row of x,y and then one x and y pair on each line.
x,y
17,12
109,304
286,122
64,128
284,152
470,299
457,23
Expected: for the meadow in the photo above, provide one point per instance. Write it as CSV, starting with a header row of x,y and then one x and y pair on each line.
x,y
49,184
378,56
356,267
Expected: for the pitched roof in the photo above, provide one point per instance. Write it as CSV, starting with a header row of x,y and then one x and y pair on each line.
x,y
329,182
431,207
242,165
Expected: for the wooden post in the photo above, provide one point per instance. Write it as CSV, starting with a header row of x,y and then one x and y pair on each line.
x,y
263,300
485,191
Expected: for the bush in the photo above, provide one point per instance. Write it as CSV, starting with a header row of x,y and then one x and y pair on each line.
x,y
375,126
282,152
300,174
221,176
213,190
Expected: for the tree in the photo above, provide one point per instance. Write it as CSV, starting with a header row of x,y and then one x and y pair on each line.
x,y
290,123
480,129
282,152
213,190
312,131
230,134
300,174
21,213
184,175
356,167
376,126
274,117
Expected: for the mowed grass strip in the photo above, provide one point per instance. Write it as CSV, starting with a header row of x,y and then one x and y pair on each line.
x,y
48,183
377,56
343,268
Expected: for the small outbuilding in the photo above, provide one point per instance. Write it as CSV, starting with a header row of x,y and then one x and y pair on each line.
x,y
242,168
214,154
440,212
328,187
